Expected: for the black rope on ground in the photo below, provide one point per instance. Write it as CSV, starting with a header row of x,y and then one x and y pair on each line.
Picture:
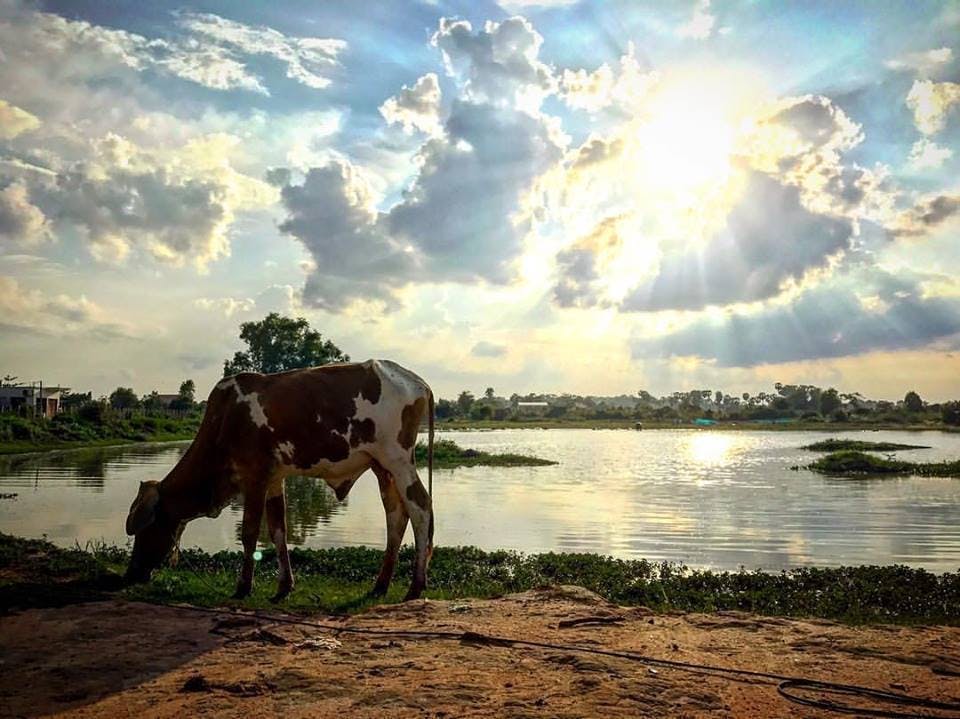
x,y
789,687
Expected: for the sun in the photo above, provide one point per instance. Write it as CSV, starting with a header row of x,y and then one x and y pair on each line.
x,y
688,139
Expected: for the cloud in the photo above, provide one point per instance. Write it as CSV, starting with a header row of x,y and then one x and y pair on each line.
x,y
498,64
99,50
929,212
866,310
518,6
927,155
465,211
581,267
334,216
627,87
465,214
229,306
59,315
15,121
701,23
930,102
488,349
769,240
417,107
802,141
176,205
922,63
212,52
21,223
309,60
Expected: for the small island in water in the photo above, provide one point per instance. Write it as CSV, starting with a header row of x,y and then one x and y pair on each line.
x,y
447,454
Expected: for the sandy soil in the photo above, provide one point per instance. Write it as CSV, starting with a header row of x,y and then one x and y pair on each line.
x,y
118,659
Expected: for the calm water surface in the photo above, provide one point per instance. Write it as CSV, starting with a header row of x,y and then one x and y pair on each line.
x,y
706,498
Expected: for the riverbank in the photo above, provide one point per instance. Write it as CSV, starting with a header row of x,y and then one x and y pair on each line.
x,y
74,644
139,433
36,573
722,425
19,435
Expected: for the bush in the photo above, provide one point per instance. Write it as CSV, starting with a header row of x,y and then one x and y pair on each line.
x,y
92,412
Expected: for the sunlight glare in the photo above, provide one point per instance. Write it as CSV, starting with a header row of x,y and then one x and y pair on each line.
x,y
710,448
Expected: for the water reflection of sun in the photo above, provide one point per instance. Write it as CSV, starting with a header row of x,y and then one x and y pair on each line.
x,y
709,447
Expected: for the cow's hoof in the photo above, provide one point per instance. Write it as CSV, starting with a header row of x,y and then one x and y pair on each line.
x,y
242,592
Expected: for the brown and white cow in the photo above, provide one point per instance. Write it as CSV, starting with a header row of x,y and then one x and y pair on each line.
x,y
333,422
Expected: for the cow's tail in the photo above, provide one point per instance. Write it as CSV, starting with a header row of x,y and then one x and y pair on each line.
x,y
430,442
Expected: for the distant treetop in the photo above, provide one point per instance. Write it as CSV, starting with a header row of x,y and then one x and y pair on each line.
x,y
277,343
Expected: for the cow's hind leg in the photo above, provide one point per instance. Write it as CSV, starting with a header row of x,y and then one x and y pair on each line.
x,y
276,507
420,508
397,518
253,502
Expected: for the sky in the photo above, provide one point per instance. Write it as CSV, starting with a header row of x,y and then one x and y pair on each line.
x,y
534,195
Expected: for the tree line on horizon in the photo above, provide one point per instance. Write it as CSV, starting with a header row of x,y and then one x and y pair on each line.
x,y
278,343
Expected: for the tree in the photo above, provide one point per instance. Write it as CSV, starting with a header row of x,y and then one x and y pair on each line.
x,y
277,343
489,393
123,398
75,400
912,402
152,402
184,400
829,402
9,380
465,402
950,411
445,409
188,390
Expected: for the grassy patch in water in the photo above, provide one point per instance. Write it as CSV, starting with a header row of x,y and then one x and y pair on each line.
x,y
448,454
839,445
858,463
34,573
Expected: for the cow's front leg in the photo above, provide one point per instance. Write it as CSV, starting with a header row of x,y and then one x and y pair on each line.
x,y
397,519
277,526
253,503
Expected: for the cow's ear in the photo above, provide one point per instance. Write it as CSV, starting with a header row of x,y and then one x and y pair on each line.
x,y
144,508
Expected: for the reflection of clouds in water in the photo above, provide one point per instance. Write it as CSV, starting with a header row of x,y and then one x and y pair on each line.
x,y
707,498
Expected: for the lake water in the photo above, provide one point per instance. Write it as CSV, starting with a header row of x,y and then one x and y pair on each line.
x,y
716,499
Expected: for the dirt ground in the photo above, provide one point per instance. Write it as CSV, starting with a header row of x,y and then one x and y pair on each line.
x,y
118,659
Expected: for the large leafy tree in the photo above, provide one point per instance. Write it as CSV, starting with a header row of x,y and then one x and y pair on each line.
x,y
123,398
277,343
913,402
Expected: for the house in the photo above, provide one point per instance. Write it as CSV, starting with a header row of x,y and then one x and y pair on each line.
x,y
32,399
532,409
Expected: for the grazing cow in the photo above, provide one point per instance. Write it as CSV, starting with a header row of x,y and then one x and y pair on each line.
x,y
333,422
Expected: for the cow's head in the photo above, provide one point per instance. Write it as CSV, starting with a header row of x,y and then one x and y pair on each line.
x,y
154,531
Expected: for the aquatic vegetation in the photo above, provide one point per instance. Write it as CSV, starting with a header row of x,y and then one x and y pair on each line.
x,y
448,454
34,572
851,462
837,445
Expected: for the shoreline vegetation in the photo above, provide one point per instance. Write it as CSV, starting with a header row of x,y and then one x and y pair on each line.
x,y
447,454
36,573
19,435
854,463
844,445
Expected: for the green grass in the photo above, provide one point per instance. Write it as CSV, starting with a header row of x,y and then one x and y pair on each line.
x,y
838,445
448,454
847,463
35,573
20,435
